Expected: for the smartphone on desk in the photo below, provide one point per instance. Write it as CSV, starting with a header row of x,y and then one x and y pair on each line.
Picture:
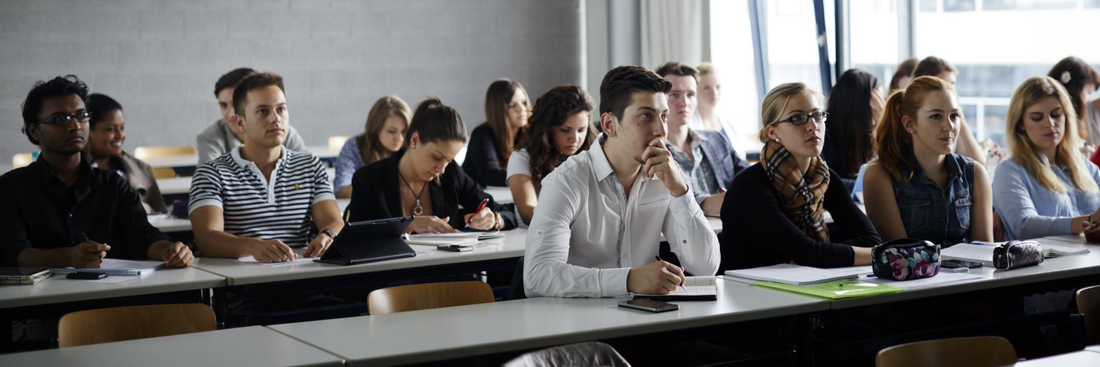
x,y
649,305
85,275
455,248
959,264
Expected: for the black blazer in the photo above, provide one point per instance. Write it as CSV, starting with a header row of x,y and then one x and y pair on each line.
x,y
756,232
482,161
376,193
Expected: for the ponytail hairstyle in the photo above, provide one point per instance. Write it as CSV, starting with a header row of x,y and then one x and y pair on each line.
x,y
1031,91
435,122
892,141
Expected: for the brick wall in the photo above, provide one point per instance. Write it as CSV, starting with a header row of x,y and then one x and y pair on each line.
x,y
160,59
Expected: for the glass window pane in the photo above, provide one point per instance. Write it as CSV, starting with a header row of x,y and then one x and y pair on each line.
x,y
874,38
958,5
792,43
928,5
1092,3
732,55
994,124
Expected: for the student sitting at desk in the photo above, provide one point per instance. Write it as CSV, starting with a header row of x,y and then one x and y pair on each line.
x,y
776,211
601,214
705,157
59,211
559,128
423,181
261,199
221,138
107,132
385,134
919,188
1046,188
506,111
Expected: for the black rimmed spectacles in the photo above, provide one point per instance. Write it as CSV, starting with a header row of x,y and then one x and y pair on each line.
x,y
803,118
62,120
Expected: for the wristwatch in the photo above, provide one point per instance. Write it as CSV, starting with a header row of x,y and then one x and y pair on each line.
x,y
329,233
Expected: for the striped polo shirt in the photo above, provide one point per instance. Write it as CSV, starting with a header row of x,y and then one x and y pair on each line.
x,y
255,208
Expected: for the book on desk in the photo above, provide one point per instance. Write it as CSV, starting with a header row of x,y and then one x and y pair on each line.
x,y
697,288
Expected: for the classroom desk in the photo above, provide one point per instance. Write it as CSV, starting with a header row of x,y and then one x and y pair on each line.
x,y
457,332
1078,358
169,224
192,161
240,347
182,185
1051,269
58,289
500,194
237,273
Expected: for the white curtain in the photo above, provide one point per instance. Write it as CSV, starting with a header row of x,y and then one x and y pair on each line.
x,y
672,30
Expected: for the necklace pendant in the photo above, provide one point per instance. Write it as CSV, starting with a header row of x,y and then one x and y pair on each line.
x,y
417,210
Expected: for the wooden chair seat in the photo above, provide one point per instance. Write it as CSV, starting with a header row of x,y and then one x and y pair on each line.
x,y
1088,305
969,352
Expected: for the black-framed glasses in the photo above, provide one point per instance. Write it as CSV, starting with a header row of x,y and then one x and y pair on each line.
x,y
803,118
62,120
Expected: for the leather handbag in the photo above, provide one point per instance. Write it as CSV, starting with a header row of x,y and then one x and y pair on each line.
x,y
1017,254
906,259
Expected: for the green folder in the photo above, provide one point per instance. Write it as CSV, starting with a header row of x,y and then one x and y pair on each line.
x,y
840,289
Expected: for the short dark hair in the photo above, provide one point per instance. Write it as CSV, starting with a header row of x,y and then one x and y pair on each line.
x,y
619,85
677,68
932,66
98,106
56,87
434,121
251,82
231,79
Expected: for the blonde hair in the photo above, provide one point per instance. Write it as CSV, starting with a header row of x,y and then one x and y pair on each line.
x,y
892,141
776,101
706,68
1029,92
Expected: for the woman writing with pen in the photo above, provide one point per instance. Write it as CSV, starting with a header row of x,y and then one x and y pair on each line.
x,y
422,180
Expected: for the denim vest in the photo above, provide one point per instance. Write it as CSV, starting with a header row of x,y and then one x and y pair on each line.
x,y
934,214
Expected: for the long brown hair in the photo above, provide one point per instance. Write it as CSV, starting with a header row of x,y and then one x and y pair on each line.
x,y
1029,92
370,148
550,112
1074,73
497,98
892,141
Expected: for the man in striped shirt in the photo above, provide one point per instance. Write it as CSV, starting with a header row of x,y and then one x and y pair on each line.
x,y
262,199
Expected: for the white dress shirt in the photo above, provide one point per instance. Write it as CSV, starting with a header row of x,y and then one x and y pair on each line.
x,y
586,233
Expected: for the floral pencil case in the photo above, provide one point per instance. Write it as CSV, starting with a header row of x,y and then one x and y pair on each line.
x,y
906,259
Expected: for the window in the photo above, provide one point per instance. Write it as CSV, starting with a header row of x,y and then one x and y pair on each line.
x,y
732,54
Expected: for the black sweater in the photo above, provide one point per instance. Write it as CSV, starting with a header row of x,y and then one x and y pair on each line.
x,y
482,160
756,232
376,193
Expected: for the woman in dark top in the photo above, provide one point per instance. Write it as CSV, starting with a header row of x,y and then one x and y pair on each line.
x,y
106,133
854,105
506,110
423,181
774,212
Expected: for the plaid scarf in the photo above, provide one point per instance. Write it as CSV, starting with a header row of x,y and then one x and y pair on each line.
x,y
802,197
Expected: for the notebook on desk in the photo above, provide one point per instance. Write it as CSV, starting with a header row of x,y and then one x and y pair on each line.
x,y
798,275
700,288
117,267
23,276
436,239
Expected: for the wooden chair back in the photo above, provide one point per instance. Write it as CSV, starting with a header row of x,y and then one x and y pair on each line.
x,y
969,352
147,153
426,296
21,160
335,143
133,322
163,172
1088,305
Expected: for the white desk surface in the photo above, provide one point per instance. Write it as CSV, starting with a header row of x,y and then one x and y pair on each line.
x,y
1078,358
240,347
323,151
1050,269
173,224
58,289
237,273
383,340
500,194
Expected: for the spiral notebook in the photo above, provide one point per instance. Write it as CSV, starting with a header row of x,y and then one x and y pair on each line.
x,y
117,267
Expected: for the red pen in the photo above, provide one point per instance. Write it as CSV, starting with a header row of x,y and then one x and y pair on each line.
x,y
479,207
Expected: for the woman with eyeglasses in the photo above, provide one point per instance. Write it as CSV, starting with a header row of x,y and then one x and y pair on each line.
x,y
775,210
919,187
107,132
506,110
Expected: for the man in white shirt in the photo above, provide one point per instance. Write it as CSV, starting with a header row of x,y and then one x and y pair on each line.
x,y
598,225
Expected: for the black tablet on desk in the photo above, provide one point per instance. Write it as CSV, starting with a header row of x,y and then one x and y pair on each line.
x,y
369,241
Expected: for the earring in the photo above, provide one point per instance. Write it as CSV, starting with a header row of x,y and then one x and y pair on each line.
x,y
413,146
910,131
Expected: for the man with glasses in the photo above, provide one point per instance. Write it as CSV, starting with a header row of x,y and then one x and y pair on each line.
x,y
58,211
705,156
